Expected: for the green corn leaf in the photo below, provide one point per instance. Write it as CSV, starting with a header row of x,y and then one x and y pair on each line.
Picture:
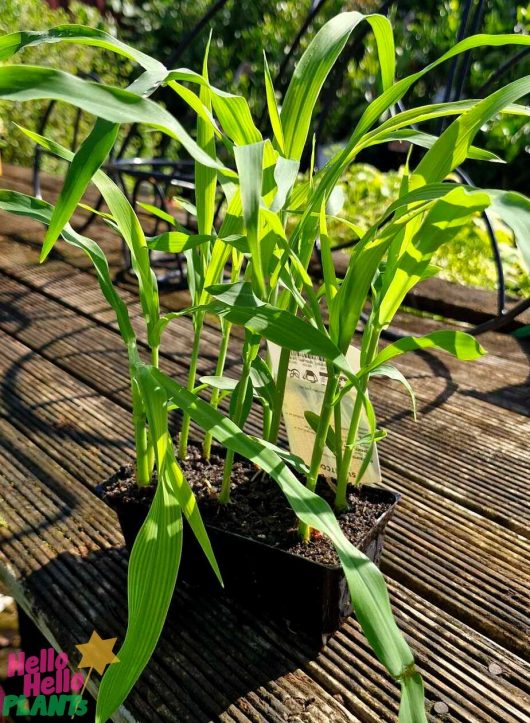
x,y
153,567
432,112
249,160
205,178
217,382
87,160
461,345
23,83
272,107
442,221
451,149
314,67
235,118
411,709
365,582
426,140
130,229
90,157
262,380
247,402
159,213
80,35
177,241
285,175
202,109
390,371
232,110
156,401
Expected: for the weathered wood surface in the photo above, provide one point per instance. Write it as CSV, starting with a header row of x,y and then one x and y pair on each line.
x,y
457,552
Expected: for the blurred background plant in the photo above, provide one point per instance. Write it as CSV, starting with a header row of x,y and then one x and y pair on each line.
x,y
242,28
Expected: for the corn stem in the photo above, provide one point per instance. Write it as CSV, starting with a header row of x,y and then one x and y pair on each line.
x,y
281,381
320,441
192,375
341,502
240,392
219,369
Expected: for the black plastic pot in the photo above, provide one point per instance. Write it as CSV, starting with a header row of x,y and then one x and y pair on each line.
x,y
311,596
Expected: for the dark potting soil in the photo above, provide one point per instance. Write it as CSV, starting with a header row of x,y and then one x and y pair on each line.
x,y
258,508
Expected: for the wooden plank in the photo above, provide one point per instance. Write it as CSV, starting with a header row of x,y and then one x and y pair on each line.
x,y
59,334
52,548
484,585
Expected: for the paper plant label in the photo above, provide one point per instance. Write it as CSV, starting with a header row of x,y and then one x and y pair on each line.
x,y
304,392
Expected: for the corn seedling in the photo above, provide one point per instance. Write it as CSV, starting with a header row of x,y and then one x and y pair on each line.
x,y
271,223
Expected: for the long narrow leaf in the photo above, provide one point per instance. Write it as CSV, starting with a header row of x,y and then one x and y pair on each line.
x,y
153,569
315,65
366,584
461,345
23,83
79,35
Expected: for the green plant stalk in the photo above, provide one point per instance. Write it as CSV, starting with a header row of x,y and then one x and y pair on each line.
x,y
370,344
219,369
241,391
142,444
267,418
281,381
192,376
320,440
349,448
337,421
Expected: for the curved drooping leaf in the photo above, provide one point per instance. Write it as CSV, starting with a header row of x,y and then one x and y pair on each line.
x,y
153,565
434,111
390,371
130,230
27,82
80,35
514,210
90,157
365,582
461,345
22,205
427,140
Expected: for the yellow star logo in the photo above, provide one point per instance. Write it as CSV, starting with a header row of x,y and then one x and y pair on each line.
x,y
97,653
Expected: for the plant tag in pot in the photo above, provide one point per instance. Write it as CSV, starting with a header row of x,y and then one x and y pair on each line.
x,y
304,392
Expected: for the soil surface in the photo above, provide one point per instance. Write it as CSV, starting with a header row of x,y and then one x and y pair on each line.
x,y
258,508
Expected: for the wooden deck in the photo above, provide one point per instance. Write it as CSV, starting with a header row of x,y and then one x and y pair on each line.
x,y
457,557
